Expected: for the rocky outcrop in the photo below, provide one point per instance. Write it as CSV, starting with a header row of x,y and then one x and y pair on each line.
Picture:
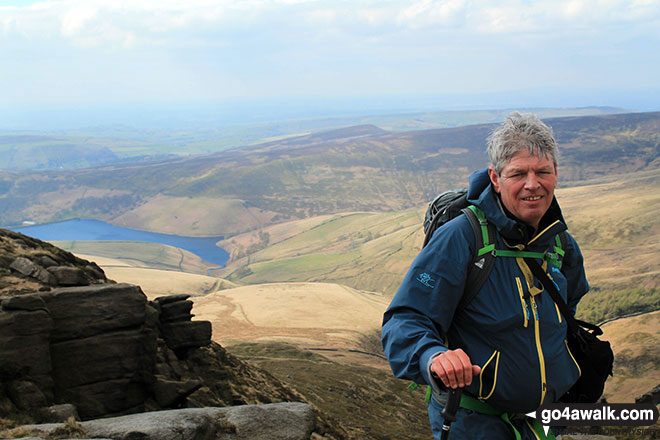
x,y
277,421
75,345
178,329
29,265
652,397
91,346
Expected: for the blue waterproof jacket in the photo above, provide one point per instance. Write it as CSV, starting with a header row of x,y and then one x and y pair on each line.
x,y
512,328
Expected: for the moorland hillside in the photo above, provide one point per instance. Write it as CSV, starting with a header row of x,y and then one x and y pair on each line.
x,y
361,168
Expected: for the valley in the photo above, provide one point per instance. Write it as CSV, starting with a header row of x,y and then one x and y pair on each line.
x,y
321,229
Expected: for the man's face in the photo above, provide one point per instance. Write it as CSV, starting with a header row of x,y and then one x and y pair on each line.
x,y
526,185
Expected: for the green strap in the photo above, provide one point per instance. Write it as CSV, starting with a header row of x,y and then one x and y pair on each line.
x,y
558,248
414,385
489,247
519,254
484,228
481,407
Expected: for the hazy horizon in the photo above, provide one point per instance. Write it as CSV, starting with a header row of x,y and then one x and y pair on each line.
x,y
75,63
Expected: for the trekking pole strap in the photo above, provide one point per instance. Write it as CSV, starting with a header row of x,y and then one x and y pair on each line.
x,y
481,407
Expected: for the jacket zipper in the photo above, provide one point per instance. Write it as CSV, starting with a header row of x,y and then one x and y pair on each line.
x,y
539,349
558,313
523,303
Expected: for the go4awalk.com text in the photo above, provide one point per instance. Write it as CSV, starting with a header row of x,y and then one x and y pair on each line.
x,y
596,414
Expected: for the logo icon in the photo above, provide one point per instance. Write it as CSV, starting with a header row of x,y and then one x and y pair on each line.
x,y
426,279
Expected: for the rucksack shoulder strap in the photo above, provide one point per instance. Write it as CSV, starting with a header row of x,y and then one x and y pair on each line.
x,y
483,260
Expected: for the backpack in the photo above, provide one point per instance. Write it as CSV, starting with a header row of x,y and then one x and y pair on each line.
x,y
451,204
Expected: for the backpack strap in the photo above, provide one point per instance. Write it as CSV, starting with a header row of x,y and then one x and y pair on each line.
x,y
484,259
482,263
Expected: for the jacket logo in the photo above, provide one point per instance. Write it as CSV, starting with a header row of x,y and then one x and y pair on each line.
x,y
426,279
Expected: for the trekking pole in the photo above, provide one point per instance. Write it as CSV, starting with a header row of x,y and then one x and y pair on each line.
x,y
449,413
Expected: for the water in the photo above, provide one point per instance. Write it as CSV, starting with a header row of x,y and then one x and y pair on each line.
x,y
97,230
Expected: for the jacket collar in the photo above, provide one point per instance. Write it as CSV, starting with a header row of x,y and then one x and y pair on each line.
x,y
513,230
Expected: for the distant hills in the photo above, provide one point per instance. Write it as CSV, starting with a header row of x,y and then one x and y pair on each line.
x,y
114,143
361,168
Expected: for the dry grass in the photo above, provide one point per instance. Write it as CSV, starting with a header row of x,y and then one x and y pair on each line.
x,y
155,282
636,345
312,315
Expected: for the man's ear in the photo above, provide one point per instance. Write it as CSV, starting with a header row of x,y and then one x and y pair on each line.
x,y
494,178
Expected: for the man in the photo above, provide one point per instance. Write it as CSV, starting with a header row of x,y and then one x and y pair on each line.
x,y
507,348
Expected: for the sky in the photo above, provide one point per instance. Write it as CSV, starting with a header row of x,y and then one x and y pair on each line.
x,y
60,56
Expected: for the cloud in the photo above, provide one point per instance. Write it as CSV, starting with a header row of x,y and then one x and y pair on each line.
x,y
126,23
118,49
426,13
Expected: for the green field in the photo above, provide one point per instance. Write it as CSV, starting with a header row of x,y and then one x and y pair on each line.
x,y
139,254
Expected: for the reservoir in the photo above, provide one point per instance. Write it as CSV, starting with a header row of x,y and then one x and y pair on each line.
x,y
97,230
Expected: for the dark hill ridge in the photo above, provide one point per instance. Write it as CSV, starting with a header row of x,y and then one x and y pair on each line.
x,y
359,168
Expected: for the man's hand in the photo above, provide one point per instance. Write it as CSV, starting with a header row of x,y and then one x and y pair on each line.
x,y
454,368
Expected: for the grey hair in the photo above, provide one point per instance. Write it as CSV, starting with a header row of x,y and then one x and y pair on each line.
x,y
517,133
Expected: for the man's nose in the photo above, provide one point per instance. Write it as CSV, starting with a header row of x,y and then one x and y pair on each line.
x,y
531,181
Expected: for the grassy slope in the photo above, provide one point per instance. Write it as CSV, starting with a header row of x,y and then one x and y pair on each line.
x,y
196,216
368,251
636,344
617,224
313,315
140,254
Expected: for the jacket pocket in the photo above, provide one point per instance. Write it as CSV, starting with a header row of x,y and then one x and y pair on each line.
x,y
573,357
488,376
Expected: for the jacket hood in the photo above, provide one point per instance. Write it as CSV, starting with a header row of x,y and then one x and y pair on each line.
x,y
482,194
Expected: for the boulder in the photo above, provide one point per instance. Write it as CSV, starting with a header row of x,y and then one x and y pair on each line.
x,y
162,300
69,275
107,398
56,413
84,311
20,329
28,302
182,336
26,395
45,261
176,311
170,393
107,356
33,270
276,421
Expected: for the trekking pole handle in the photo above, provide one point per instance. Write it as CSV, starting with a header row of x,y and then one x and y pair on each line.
x,y
453,402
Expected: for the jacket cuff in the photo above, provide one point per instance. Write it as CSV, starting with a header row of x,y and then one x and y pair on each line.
x,y
426,360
